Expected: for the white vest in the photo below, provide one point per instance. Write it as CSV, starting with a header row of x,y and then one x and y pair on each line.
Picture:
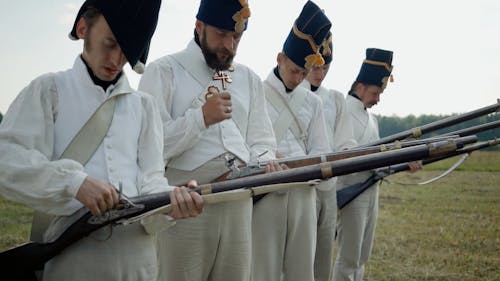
x,y
365,129
309,115
79,97
365,126
337,119
192,77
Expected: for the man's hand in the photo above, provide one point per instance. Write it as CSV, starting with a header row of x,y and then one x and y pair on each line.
x,y
274,166
217,108
185,204
97,196
415,166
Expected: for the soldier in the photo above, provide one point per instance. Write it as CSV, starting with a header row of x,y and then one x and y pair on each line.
x,y
339,132
356,222
45,121
213,113
284,223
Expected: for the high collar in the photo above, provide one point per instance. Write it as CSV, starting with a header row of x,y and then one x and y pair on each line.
x,y
355,95
276,72
97,81
306,84
356,102
120,87
277,84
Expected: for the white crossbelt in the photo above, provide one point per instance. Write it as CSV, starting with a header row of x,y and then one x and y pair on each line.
x,y
81,148
287,118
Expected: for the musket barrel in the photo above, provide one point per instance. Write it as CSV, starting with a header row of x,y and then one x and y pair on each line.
x,y
340,167
433,126
475,129
478,146
467,149
392,157
346,195
301,161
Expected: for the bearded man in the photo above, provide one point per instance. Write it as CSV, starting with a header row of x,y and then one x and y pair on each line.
x,y
213,111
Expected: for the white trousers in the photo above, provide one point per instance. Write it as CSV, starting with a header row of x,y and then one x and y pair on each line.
x,y
284,236
355,234
326,211
216,245
125,253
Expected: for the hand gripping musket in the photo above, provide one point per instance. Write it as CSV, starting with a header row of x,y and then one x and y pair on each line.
x,y
24,259
346,195
433,126
258,167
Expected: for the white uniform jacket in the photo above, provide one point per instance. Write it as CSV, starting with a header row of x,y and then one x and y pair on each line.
x,y
309,114
337,119
365,129
179,82
45,117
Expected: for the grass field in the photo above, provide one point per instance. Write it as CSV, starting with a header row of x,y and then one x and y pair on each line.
x,y
448,230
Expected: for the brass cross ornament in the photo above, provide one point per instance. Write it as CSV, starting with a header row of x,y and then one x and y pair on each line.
x,y
223,77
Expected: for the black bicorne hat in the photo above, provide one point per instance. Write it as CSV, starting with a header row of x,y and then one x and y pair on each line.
x,y
376,68
326,49
308,33
230,15
132,22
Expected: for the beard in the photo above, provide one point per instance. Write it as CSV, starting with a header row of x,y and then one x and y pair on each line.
x,y
211,58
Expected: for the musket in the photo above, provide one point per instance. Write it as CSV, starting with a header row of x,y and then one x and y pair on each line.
x,y
346,195
474,129
258,167
439,124
19,261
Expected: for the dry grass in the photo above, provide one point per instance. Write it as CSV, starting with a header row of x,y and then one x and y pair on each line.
x,y
15,224
448,230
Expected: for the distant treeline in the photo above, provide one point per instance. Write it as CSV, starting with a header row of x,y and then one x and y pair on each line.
x,y
393,124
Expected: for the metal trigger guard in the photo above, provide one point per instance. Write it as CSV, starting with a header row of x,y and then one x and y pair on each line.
x,y
231,164
113,214
248,170
124,207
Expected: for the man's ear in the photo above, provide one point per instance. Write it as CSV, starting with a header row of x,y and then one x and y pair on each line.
x,y
198,27
280,59
81,28
359,88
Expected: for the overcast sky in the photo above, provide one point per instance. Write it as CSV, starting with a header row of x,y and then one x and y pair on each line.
x,y
446,53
